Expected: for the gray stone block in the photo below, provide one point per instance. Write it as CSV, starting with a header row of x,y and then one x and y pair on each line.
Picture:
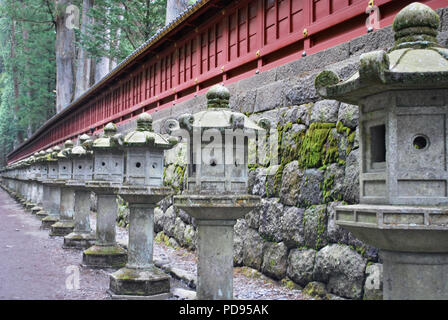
x,y
342,269
325,111
301,265
275,258
315,227
270,96
377,40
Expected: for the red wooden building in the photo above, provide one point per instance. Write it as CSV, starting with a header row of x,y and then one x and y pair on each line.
x,y
214,41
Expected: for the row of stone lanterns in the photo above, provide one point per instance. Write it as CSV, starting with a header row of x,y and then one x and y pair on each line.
x,y
57,185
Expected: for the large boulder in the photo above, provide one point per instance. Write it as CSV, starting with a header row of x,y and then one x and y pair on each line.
x,y
311,188
325,111
348,115
315,227
291,178
252,249
291,223
275,258
301,265
270,214
351,179
342,269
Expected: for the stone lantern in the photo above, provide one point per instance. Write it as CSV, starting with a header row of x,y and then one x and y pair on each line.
x,y
142,189
65,224
82,236
403,99
45,158
216,190
108,174
52,199
38,183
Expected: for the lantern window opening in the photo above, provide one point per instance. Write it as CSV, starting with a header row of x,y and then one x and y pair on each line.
x,y
378,145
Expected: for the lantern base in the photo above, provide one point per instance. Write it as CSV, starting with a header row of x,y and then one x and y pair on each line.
x,y
112,256
413,243
48,221
148,282
62,228
78,240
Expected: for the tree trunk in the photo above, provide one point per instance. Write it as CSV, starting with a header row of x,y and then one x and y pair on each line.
x,y
65,55
103,64
83,62
15,80
174,8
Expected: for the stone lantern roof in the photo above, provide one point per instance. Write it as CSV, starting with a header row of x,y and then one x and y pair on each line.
x,y
109,140
68,145
218,114
145,136
417,61
81,150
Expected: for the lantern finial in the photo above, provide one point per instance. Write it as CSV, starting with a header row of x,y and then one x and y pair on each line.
x,y
218,97
416,26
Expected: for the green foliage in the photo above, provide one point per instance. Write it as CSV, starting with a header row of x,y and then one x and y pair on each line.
x,y
122,26
27,71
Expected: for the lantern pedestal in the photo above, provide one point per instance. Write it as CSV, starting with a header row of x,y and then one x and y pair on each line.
x,y
140,277
52,202
215,217
413,243
106,253
65,224
82,236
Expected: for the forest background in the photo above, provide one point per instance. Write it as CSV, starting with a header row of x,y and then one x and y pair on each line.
x,y
53,50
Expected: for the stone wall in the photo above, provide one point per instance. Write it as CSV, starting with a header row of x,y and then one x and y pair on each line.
x,y
292,236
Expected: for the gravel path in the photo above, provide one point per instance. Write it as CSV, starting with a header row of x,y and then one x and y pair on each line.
x,y
34,265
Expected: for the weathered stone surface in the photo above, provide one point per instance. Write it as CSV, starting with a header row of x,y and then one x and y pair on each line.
x,y
272,190
315,226
243,101
379,39
348,115
314,61
301,91
179,230
351,180
291,178
273,116
258,182
342,269
325,111
288,137
270,215
190,237
275,257
253,217
304,113
333,185
301,265
373,287
335,233
270,96
311,187
168,221
253,249
257,81
316,289
240,230
291,223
